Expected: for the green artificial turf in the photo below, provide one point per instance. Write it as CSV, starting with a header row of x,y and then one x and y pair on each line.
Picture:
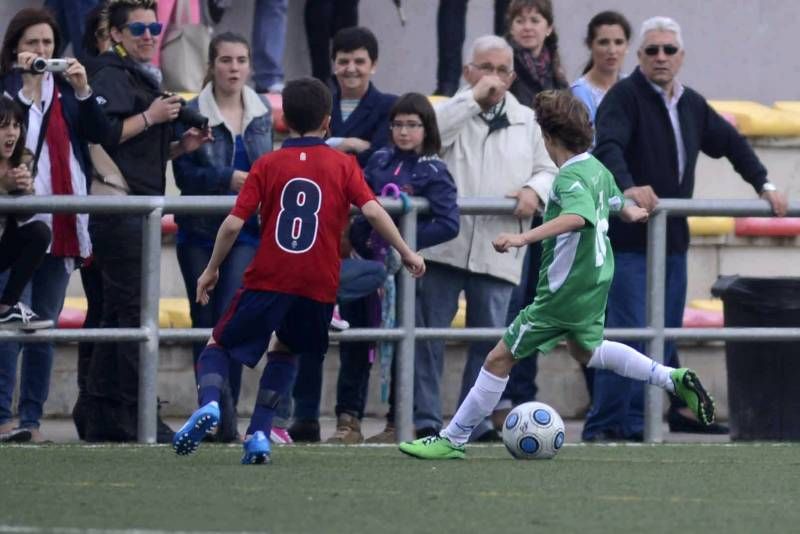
x,y
659,488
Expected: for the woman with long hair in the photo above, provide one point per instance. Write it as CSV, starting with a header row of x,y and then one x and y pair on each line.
x,y
60,117
607,37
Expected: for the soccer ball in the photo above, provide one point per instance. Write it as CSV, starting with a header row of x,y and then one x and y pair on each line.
x,y
533,431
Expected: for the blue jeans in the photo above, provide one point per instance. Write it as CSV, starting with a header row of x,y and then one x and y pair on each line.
x,y
268,41
192,260
45,295
437,303
617,402
358,279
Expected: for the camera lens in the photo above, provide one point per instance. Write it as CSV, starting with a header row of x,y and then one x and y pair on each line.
x,y
39,64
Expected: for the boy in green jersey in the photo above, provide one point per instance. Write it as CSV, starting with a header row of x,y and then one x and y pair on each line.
x,y
577,268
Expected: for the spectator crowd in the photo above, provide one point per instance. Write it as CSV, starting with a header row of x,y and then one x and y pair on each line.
x,y
102,122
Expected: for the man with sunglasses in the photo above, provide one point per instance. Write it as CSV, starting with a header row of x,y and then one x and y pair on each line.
x,y
140,139
650,131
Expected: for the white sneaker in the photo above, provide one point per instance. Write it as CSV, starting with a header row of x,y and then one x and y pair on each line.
x,y
337,323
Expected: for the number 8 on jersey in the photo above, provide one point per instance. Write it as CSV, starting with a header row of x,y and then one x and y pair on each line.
x,y
296,230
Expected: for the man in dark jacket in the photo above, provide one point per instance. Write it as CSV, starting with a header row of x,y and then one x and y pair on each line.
x,y
650,131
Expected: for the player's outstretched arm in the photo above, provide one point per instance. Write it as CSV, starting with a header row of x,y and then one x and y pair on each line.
x,y
632,214
384,225
562,224
226,237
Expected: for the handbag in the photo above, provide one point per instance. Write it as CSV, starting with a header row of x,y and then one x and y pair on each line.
x,y
107,179
184,52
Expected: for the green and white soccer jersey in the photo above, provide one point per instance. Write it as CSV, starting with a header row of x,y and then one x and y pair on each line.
x,y
577,267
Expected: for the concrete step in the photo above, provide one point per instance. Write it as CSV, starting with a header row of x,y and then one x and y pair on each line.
x,y
560,381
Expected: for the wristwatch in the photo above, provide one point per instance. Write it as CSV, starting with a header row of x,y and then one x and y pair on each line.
x,y
768,187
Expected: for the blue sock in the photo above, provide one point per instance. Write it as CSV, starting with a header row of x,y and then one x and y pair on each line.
x,y
275,382
212,373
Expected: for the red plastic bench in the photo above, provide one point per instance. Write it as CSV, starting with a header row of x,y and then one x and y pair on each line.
x,y
768,226
695,318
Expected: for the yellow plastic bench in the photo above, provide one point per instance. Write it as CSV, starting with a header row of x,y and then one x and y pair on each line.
x,y
711,225
758,120
173,312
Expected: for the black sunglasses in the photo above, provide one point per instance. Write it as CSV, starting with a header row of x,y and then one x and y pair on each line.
x,y
668,49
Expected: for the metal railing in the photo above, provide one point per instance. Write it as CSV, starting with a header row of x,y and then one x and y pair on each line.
x,y
149,335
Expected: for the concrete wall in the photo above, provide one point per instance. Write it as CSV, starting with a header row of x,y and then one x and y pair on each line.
x,y
736,49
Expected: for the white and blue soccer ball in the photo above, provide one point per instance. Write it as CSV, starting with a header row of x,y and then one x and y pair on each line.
x,y
533,431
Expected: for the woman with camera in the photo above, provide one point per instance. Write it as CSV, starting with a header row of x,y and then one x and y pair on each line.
x,y
60,116
140,138
241,123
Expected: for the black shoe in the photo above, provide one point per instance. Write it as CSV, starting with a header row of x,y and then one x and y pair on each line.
x,y
680,423
427,431
17,435
21,317
109,420
305,431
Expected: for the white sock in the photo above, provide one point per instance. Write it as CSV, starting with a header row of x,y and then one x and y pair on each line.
x,y
631,363
476,406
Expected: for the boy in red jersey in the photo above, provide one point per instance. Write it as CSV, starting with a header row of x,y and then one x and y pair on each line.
x,y
303,192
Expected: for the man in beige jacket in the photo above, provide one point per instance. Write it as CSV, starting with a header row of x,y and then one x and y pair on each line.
x,y
493,147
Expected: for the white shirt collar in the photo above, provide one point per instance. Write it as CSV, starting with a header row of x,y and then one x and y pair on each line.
x,y
677,92
575,159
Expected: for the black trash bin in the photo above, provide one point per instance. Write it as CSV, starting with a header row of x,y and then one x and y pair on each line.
x,y
763,376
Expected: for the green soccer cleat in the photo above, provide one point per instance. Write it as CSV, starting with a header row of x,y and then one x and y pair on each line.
x,y
432,448
692,392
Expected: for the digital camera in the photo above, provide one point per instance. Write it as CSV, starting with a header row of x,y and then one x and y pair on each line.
x,y
40,65
189,117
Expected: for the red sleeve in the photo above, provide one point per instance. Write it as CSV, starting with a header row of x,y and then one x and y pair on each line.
x,y
357,190
250,195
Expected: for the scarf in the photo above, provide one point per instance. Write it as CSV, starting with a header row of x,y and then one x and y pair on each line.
x,y
539,69
65,235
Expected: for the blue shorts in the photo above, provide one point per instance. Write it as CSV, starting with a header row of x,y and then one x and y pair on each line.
x,y
300,323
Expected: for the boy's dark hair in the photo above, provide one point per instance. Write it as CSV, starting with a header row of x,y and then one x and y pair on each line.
x,y
564,118
24,19
11,112
119,10
306,103
213,50
604,18
351,39
415,103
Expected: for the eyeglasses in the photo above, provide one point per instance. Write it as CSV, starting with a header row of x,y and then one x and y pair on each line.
x,y
487,68
668,49
395,125
137,28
